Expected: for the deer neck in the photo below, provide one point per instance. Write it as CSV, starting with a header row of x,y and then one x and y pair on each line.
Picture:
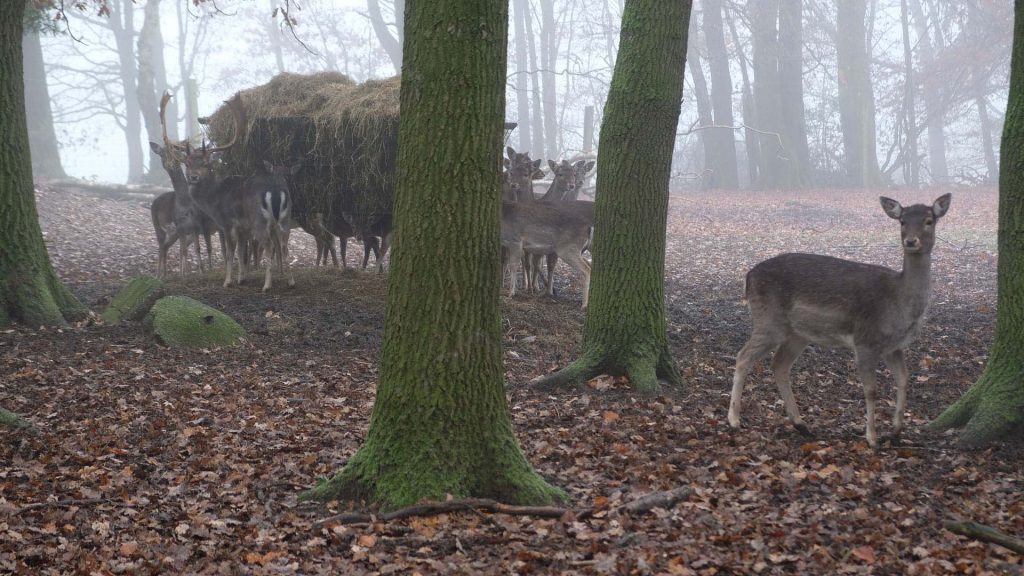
x,y
915,281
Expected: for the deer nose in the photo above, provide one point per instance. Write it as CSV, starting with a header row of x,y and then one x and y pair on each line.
x,y
911,242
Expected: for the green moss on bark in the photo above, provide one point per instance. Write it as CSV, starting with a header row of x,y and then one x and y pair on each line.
x,y
30,292
993,408
181,322
134,300
626,332
440,423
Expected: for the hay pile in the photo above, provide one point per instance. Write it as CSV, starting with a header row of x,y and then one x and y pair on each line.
x,y
345,134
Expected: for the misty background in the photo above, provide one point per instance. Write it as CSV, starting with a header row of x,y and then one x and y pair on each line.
x,y
779,93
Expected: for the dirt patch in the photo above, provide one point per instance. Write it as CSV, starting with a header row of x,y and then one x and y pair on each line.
x,y
154,460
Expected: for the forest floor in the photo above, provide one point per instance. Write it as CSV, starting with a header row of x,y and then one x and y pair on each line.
x,y
144,459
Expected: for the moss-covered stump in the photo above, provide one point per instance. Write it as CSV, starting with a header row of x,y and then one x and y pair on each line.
x,y
11,420
134,300
181,322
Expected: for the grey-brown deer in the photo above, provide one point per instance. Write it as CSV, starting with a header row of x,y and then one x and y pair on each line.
x,y
797,299
535,228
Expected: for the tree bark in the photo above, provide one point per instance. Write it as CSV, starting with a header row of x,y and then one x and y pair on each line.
x,y
932,94
750,138
993,408
122,24
856,97
41,135
704,119
391,44
726,174
520,9
440,424
549,57
625,330
30,292
537,117
791,91
150,50
911,172
777,155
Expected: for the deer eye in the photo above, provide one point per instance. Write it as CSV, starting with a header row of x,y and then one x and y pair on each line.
x,y
929,222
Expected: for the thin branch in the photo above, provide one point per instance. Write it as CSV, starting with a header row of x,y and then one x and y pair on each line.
x,y
985,534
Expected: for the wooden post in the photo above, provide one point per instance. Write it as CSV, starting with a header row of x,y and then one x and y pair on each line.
x,y
588,130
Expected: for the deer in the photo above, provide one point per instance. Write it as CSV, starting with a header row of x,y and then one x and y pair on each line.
x,y
798,299
520,171
189,222
534,228
564,190
312,223
244,208
376,237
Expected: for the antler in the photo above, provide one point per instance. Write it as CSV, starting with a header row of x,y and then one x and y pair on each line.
x,y
174,148
239,116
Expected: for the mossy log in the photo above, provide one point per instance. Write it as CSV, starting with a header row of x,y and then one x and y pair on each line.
x,y
181,322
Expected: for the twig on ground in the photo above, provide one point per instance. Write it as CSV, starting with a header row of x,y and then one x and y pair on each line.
x,y
58,504
985,534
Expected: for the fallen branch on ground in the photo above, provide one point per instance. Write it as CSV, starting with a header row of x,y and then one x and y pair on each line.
x,y
985,534
58,504
643,504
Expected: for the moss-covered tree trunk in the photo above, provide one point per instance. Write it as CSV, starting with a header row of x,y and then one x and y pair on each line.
x,y
440,423
30,292
993,408
625,330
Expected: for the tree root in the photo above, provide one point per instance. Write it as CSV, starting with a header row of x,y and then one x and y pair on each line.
x,y
641,505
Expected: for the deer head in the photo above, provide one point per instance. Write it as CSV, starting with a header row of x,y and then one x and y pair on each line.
x,y
199,162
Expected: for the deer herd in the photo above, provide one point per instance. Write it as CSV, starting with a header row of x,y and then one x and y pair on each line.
x,y
794,299
253,215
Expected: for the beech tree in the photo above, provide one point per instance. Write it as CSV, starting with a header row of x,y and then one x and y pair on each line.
x,y
625,330
440,424
993,408
30,292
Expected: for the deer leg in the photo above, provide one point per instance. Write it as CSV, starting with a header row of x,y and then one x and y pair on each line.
x,y
320,256
165,247
552,261
867,361
330,246
385,243
286,264
209,248
229,255
576,262
528,277
894,360
782,364
757,347
183,254
199,253
270,261
515,256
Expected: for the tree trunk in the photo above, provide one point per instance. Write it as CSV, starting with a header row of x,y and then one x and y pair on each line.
x,y
773,170
856,98
911,172
980,79
122,24
273,32
440,424
726,174
520,9
30,292
709,167
791,92
149,42
934,105
993,408
391,44
41,135
549,57
626,330
750,138
537,117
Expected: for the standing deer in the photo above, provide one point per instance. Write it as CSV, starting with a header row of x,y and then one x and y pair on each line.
x,y
535,228
563,189
189,222
797,299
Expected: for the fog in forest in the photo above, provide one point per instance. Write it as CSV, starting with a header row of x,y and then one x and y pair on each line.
x,y
779,93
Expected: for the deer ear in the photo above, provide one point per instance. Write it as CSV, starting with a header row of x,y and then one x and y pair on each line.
x,y
941,204
506,163
551,164
891,207
589,165
268,166
510,152
536,164
157,149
